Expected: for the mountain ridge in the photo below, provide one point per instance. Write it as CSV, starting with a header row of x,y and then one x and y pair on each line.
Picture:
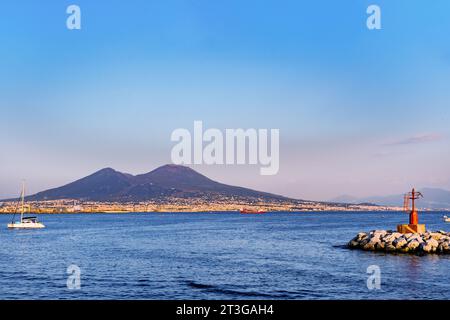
x,y
168,180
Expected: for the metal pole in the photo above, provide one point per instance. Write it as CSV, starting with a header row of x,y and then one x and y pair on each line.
x,y
23,201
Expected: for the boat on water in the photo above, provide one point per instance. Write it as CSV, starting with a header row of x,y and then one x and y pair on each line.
x,y
25,222
446,219
252,211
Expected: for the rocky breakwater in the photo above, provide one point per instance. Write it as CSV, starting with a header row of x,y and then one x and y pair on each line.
x,y
395,242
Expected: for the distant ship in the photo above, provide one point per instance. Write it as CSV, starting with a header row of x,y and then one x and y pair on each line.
x,y
25,222
252,211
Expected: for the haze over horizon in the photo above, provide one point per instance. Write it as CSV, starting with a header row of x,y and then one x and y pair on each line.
x,y
360,112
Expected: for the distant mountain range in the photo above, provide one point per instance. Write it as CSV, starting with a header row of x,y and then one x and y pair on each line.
x,y
173,181
162,183
434,198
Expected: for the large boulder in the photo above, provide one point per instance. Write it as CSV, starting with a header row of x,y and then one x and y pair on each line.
x,y
390,247
361,236
429,246
433,242
443,247
425,247
413,245
397,234
426,236
408,236
363,242
391,237
413,239
380,245
404,249
400,243
353,244
372,244
436,235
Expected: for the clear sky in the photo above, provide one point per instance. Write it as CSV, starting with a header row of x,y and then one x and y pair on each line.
x,y
360,112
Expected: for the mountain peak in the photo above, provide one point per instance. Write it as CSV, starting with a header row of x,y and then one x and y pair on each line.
x,y
175,176
106,170
174,168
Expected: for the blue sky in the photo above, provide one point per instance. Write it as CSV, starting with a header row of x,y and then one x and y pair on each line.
x,y
360,112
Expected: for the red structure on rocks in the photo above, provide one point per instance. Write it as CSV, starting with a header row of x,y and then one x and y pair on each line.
x,y
413,226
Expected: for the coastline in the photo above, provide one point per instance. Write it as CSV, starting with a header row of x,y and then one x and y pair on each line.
x,y
206,204
214,212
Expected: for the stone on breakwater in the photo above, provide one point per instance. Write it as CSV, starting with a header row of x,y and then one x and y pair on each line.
x,y
391,241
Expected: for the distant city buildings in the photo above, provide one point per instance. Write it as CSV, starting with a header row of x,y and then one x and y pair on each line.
x,y
200,204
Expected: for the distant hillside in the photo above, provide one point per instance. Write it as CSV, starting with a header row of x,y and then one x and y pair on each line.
x,y
166,181
434,198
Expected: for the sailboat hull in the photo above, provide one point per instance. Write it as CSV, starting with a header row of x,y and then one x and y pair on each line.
x,y
20,225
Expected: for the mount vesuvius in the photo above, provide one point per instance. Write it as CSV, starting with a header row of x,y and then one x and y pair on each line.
x,y
164,182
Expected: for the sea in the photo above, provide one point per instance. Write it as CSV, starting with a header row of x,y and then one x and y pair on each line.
x,y
215,255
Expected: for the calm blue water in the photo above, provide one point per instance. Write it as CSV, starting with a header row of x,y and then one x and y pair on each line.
x,y
213,256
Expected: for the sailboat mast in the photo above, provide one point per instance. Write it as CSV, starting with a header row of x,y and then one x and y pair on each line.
x,y
23,201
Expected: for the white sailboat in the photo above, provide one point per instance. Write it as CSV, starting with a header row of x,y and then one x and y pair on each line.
x,y
446,219
25,222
